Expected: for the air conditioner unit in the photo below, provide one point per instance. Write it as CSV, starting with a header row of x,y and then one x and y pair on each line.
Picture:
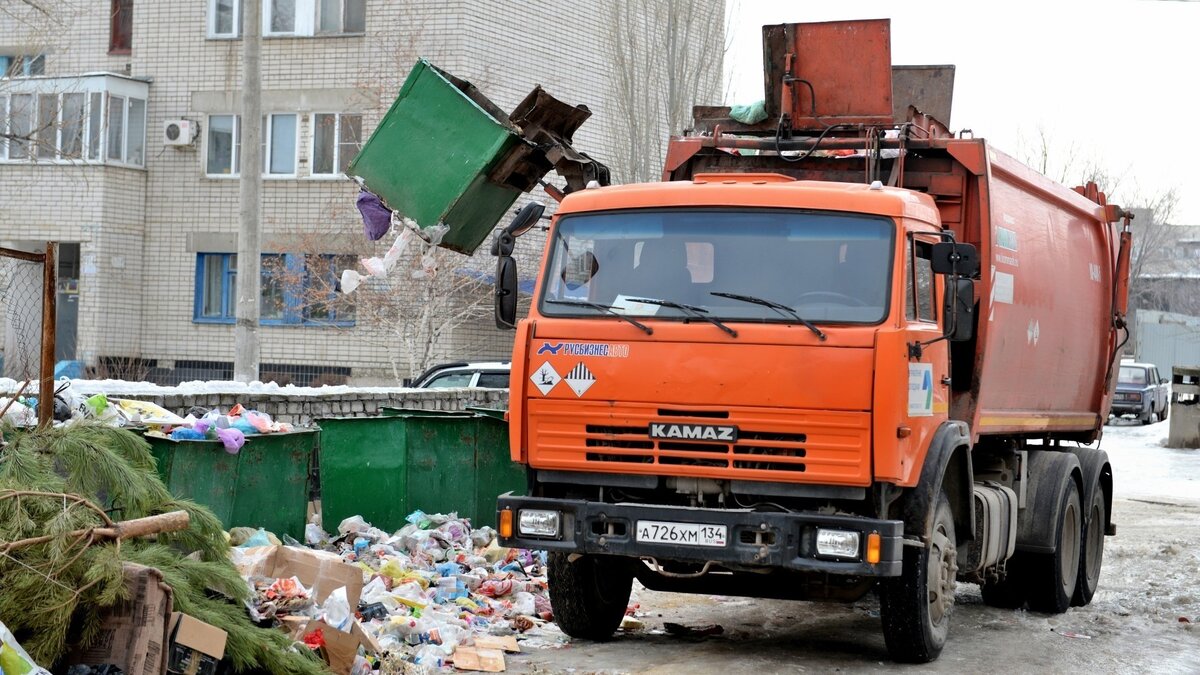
x,y
179,132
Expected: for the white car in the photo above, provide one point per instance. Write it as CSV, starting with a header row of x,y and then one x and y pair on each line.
x,y
484,374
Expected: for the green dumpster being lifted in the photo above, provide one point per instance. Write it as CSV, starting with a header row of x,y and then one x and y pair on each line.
x,y
446,155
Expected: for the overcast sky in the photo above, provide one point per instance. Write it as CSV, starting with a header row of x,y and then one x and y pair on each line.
x,y
1119,80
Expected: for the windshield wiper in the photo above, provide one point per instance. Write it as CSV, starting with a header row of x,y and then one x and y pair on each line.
x,y
604,308
777,306
690,310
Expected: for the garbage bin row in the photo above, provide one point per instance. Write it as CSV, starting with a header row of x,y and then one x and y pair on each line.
x,y
381,468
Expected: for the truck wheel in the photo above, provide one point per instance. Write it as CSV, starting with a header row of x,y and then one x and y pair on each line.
x,y
1052,576
1091,553
915,607
588,596
1009,592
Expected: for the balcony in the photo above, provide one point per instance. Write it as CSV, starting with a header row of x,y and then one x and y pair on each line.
x,y
90,119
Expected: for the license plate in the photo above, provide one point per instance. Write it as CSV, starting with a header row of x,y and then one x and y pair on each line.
x,y
683,534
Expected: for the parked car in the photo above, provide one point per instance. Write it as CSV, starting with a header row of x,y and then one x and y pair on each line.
x,y
1141,392
486,374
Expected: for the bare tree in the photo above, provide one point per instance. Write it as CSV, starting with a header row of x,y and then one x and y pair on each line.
x,y
665,57
1069,164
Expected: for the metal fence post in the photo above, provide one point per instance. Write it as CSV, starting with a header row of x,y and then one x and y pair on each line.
x,y
49,325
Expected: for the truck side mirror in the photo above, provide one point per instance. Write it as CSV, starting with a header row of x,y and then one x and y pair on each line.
x,y
950,257
506,292
960,309
506,268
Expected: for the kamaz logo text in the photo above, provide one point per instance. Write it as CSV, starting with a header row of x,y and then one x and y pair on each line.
x,y
693,432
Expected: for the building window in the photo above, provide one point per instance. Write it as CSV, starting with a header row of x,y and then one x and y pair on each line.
x,y
279,144
71,126
120,33
341,16
216,281
22,65
116,128
224,18
281,16
313,17
337,138
222,145
296,289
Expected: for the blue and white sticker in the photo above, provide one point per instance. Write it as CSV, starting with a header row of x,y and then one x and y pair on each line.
x,y
600,349
920,389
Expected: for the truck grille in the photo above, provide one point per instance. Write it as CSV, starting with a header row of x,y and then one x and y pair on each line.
x,y
807,446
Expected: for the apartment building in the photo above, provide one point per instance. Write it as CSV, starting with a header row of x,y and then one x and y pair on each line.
x,y
121,142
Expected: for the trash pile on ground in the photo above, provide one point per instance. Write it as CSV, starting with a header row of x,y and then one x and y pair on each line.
x,y
437,593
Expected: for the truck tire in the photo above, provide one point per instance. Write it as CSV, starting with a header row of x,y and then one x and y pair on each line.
x,y
1091,551
589,596
915,607
1052,576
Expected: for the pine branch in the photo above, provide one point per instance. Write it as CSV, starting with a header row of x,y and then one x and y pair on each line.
x,y
126,529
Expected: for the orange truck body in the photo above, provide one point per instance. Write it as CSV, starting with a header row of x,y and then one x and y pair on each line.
x,y
1042,357
921,437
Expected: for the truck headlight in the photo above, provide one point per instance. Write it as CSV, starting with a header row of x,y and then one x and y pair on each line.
x,y
538,523
837,543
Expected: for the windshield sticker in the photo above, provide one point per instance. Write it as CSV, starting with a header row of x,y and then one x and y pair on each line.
x,y
612,351
580,379
626,305
545,378
920,389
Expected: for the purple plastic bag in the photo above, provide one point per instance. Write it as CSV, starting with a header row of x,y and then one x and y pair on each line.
x,y
233,439
377,218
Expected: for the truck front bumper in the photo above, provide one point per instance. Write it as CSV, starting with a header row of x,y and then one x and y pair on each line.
x,y
754,538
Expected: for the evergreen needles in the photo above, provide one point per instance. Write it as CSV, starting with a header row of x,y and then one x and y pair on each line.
x,y
60,481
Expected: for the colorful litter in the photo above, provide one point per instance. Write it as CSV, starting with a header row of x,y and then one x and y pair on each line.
x,y
436,594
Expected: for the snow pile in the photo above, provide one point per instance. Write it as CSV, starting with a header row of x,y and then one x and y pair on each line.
x,y
124,388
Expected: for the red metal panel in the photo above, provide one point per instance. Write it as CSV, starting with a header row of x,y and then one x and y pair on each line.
x,y
848,64
1045,305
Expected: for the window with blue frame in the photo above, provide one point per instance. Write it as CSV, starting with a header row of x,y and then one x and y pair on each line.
x,y
296,289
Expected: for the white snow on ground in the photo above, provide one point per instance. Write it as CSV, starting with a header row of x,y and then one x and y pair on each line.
x,y
124,388
1143,468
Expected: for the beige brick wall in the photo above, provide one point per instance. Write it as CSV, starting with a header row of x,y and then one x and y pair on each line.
x,y
145,227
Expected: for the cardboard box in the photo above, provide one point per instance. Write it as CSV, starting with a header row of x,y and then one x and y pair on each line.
x,y
133,634
481,659
319,570
340,647
196,648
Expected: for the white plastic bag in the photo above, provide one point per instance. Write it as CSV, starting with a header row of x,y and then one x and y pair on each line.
x,y
337,610
14,659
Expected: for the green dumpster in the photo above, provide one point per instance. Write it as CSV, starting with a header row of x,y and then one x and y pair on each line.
x,y
431,156
363,468
386,467
264,485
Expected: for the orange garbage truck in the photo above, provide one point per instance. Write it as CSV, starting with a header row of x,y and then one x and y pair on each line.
x,y
837,350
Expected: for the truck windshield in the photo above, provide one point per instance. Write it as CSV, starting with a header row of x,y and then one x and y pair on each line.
x,y
826,267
